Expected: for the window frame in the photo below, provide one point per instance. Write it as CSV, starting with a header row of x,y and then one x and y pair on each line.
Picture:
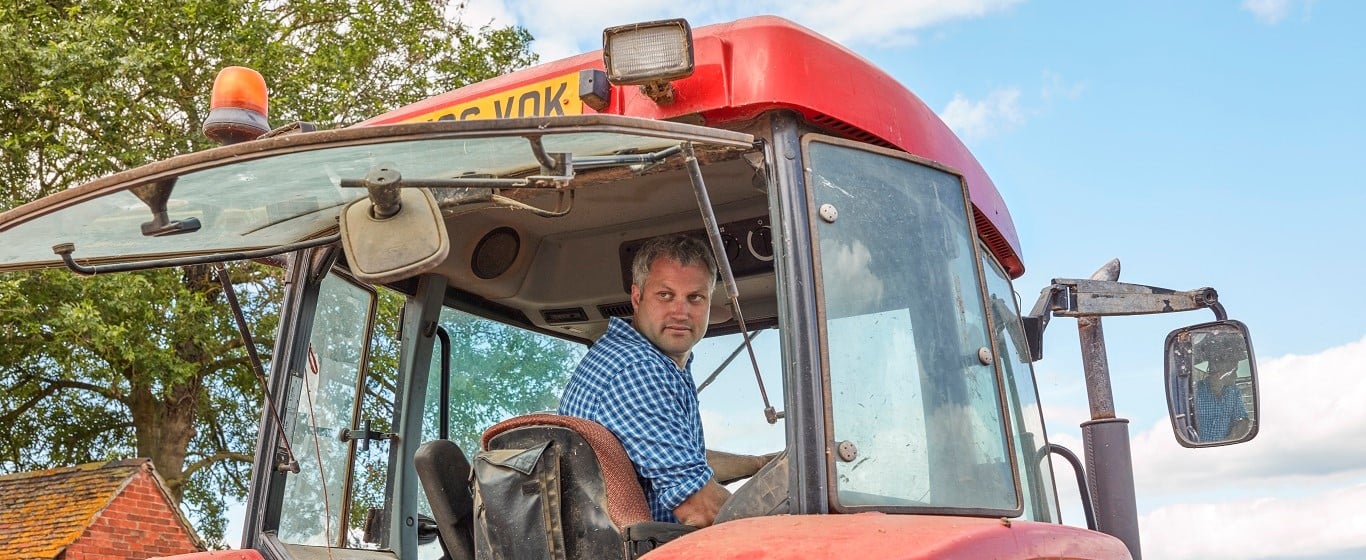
x,y
822,331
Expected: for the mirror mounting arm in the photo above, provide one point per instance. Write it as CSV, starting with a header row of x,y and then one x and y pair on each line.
x,y
1071,297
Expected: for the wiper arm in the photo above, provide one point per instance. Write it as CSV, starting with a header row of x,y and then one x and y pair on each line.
x,y
620,160
557,169
738,348
66,249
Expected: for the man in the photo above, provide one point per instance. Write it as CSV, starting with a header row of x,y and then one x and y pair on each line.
x,y
637,382
1220,413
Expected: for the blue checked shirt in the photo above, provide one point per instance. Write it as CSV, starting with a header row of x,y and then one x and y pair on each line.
x,y
650,404
1216,414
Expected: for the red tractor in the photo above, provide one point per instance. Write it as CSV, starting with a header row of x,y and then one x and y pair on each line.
x,y
847,218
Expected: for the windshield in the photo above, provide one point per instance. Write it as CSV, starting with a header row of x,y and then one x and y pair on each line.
x,y
916,407
288,189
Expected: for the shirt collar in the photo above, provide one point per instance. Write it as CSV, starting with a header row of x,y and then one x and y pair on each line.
x,y
619,327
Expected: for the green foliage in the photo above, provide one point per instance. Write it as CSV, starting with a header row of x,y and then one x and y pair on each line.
x,y
150,363
118,366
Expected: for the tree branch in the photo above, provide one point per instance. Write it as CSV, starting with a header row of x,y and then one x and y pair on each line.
x,y
53,387
211,459
12,415
68,384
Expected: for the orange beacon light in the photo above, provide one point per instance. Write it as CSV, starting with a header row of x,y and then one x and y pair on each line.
x,y
238,108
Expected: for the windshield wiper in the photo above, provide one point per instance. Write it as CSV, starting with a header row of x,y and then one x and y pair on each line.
x,y
66,249
738,348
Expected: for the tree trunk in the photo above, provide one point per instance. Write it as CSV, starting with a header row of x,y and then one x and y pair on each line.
x,y
163,425
163,428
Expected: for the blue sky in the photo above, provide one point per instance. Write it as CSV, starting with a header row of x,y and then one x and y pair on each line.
x,y
1203,144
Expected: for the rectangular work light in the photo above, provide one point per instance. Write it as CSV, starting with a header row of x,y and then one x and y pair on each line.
x,y
648,53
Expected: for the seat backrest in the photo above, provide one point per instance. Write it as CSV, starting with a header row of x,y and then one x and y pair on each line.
x,y
445,475
557,487
624,501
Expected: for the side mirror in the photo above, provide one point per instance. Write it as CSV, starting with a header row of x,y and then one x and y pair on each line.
x,y
1211,379
406,239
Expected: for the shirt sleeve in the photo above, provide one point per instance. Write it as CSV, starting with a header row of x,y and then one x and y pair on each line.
x,y
647,410
1239,408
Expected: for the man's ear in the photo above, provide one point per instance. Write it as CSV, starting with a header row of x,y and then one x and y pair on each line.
x,y
635,297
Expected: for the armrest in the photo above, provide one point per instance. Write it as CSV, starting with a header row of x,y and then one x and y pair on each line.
x,y
648,535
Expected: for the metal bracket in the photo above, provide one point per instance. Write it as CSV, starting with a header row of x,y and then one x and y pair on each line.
x,y
155,196
365,435
1072,297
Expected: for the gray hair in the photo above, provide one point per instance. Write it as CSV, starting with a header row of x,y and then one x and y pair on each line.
x,y
688,251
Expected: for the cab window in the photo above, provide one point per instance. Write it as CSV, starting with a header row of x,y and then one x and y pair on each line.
x,y
917,414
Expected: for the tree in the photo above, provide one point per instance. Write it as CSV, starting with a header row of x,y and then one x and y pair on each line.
x,y
149,363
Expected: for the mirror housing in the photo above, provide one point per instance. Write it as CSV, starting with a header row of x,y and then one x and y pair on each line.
x,y
1211,380
408,242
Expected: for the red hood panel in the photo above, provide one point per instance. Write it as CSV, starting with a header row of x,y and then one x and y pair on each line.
x,y
883,536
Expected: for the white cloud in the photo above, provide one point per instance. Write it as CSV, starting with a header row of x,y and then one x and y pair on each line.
x,y
1320,525
850,267
1272,12
484,12
879,22
1307,466
564,29
999,112
1055,87
1312,423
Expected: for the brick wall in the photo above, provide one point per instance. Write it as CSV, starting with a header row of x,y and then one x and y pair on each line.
x,y
138,524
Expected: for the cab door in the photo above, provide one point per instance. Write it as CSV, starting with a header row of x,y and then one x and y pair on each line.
x,y
333,439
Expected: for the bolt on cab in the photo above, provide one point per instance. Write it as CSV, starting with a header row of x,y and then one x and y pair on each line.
x,y
865,313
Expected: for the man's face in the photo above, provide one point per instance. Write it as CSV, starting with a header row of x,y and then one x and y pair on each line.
x,y
673,307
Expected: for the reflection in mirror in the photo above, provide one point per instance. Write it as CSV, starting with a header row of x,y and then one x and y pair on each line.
x,y
1212,384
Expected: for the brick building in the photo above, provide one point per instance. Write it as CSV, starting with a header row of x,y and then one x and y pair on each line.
x,y
119,510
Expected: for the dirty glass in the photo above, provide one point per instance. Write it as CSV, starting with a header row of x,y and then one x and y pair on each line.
x,y
732,410
918,413
323,393
244,203
497,371
1022,397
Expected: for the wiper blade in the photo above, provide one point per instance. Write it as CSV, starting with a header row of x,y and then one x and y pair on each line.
x,y
65,250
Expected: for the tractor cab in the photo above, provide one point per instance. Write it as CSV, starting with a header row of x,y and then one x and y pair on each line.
x,y
445,275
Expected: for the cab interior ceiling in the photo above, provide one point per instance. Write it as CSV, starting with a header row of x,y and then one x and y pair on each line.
x,y
567,275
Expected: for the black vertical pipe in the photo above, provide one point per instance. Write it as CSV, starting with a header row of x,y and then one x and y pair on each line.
x,y
1109,460
1110,467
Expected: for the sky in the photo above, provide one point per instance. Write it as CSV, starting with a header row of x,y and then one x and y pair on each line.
x,y
1203,144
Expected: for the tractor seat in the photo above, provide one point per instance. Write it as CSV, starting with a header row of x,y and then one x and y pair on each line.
x,y
445,476
550,486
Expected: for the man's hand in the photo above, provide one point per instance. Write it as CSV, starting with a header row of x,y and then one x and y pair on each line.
x,y
700,509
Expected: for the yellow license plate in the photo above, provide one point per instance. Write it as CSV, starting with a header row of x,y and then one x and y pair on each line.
x,y
554,97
